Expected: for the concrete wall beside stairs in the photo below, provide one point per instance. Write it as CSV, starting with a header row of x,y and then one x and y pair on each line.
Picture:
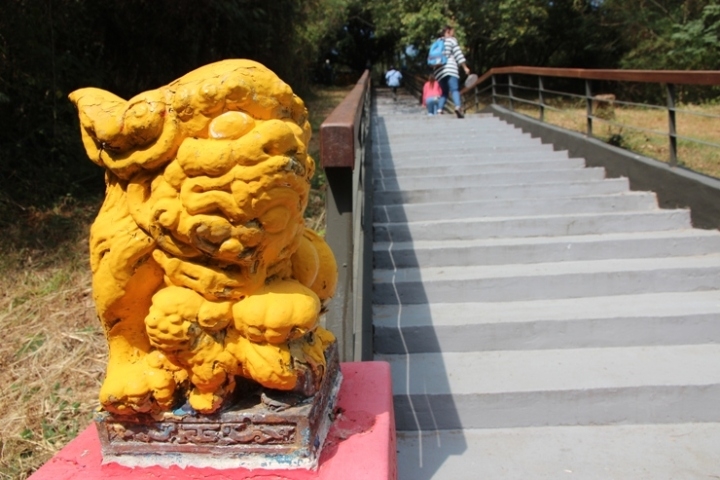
x,y
675,187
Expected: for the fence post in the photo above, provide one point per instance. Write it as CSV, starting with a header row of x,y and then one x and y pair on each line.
x,y
588,101
510,92
672,131
339,211
494,93
541,98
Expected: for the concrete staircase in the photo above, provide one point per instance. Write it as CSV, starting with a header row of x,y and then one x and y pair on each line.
x,y
541,321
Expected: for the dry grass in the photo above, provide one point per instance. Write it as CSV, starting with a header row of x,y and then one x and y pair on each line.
x,y
700,158
53,353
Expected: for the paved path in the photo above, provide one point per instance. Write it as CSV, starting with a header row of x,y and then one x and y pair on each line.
x,y
541,321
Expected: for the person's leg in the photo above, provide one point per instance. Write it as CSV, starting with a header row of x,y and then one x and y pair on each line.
x,y
432,104
454,86
445,90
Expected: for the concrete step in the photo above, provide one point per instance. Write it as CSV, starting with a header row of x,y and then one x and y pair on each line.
x,y
446,133
399,125
514,207
533,226
469,157
483,178
503,283
673,318
471,168
465,142
441,131
420,148
534,388
669,451
533,192
500,251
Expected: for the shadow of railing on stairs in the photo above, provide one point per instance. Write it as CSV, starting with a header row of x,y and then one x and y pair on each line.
x,y
403,325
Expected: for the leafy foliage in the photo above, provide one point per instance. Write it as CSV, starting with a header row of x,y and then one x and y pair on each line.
x,y
696,44
503,32
127,46
648,34
665,34
49,48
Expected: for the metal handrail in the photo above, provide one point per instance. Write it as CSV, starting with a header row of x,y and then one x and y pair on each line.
x,y
671,78
344,155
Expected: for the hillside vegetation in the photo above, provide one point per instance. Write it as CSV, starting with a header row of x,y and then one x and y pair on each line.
x,y
53,353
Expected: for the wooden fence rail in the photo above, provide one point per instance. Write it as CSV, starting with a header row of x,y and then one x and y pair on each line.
x,y
504,79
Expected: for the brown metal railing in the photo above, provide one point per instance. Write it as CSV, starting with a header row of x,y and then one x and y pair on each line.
x,y
490,84
345,159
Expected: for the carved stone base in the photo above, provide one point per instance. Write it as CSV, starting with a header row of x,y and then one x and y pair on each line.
x,y
261,429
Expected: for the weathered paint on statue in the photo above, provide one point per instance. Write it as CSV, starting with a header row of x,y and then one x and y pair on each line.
x,y
202,267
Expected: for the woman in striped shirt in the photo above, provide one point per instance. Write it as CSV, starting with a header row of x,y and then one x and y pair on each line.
x,y
448,75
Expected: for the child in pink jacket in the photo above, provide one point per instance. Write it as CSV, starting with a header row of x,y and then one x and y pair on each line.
x,y
431,94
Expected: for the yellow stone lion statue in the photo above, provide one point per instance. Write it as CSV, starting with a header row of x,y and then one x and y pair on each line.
x,y
203,270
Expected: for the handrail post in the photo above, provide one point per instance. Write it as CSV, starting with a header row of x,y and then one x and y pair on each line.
x,y
541,98
672,130
494,92
338,207
510,92
588,101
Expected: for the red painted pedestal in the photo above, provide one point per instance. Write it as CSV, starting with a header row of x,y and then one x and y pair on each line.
x,y
359,446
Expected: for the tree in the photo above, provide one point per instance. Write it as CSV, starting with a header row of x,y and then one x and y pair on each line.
x,y
665,34
126,46
504,32
696,43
